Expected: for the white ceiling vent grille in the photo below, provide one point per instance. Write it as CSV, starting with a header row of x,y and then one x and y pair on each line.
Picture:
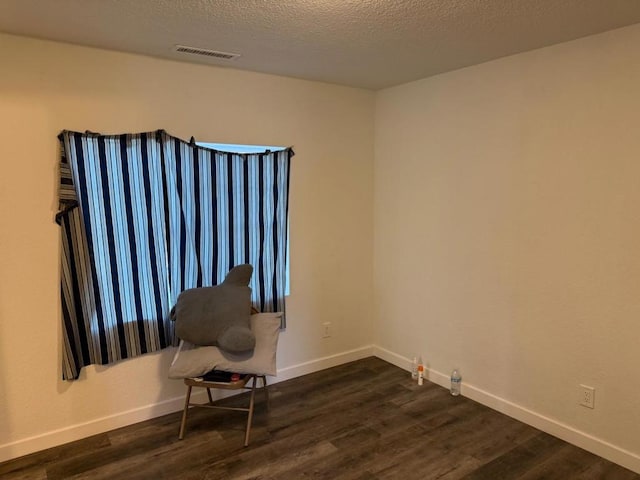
x,y
206,53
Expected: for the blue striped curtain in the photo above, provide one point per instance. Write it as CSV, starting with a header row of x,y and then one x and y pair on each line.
x,y
145,216
233,210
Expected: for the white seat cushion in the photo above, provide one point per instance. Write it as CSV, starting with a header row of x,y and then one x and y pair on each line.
x,y
192,360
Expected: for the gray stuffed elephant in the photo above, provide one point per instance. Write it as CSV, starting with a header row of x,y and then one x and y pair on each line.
x,y
218,315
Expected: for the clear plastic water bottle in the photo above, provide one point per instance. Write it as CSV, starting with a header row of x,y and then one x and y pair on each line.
x,y
455,382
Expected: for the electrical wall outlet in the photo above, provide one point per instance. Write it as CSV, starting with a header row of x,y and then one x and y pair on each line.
x,y
587,396
326,329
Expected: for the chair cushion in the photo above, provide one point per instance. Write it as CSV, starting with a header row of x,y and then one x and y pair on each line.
x,y
192,360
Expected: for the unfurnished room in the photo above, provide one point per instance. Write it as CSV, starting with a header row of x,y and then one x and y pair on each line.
x,y
366,240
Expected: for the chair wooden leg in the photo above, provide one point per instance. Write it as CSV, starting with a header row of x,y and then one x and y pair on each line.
x,y
254,386
183,424
251,401
266,390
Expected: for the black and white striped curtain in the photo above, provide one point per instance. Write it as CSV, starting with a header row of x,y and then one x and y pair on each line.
x,y
157,215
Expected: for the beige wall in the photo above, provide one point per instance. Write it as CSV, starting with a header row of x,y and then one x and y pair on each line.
x,y
46,87
507,229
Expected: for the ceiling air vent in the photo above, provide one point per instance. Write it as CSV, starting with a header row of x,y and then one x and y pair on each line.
x,y
206,53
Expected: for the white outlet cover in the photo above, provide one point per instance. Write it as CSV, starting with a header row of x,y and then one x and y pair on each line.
x,y
587,396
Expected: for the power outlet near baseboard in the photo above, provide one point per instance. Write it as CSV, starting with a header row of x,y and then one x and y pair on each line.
x,y
326,329
587,396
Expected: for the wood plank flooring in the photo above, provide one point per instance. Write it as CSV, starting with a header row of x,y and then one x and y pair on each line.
x,y
364,420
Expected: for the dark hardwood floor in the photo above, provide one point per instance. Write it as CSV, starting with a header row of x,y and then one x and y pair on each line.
x,y
362,420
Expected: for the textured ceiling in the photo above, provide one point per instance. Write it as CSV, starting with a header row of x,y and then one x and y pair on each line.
x,y
363,43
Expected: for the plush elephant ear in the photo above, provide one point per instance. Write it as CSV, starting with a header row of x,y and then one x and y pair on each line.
x,y
237,339
239,276
204,314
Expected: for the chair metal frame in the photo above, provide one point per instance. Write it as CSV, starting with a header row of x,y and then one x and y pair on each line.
x,y
237,385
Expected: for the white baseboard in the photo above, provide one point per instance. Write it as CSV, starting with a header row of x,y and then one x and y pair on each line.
x,y
323,363
78,431
553,427
393,358
82,430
